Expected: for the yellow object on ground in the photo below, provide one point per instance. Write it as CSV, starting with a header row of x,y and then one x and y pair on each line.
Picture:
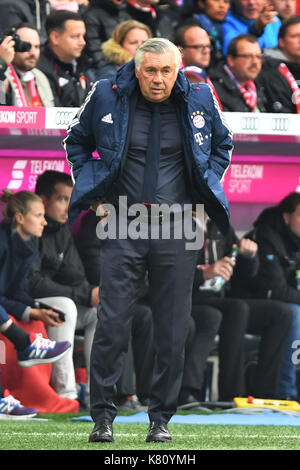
x,y
252,402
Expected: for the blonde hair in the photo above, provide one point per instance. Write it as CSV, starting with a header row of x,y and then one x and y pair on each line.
x,y
17,203
121,30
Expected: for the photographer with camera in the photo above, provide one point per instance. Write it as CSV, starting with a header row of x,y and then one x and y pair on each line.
x,y
25,84
7,53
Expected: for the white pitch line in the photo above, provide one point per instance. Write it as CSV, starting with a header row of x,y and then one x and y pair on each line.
x,y
196,436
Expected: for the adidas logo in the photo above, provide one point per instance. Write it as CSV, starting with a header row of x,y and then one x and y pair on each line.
x,y
107,118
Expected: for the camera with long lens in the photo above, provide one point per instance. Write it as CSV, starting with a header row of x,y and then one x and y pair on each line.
x,y
20,46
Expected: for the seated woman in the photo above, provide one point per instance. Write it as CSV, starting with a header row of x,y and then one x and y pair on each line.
x,y
24,222
121,47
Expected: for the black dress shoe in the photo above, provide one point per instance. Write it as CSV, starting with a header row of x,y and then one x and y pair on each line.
x,y
158,432
102,432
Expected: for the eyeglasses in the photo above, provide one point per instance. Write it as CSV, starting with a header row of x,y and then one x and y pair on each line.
x,y
250,56
198,47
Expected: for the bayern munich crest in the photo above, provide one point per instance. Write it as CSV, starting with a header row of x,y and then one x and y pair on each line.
x,y
198,119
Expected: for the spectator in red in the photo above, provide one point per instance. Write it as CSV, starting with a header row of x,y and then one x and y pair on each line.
x,y
235,81
281,70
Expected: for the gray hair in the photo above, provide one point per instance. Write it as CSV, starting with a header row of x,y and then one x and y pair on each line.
x,y
157,46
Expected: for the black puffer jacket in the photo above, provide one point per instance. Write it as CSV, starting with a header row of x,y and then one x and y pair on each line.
x,y
230,96
276,88
58,270
101,17
279,254
69,87
163,25
25,11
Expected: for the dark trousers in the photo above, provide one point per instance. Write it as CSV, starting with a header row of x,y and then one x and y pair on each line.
x,y
123,266
235,314
137,373
269,319
143,351
206,321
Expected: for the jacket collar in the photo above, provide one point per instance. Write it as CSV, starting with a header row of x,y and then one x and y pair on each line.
x,y
52,226
50,54
82,62
23,249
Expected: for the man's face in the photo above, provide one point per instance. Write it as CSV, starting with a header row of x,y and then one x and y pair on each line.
x,y
285,8
69,43
157,76
246,65
56,207
290,44
250,9
196,49
25,61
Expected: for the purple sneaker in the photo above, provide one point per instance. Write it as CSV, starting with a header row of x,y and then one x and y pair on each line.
x,y
42,351
10,408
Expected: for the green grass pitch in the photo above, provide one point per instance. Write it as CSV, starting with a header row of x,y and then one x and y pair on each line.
x,y
59,432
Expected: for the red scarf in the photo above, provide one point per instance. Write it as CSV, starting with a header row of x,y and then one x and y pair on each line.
x,y
248,91
146,8
21,98
283,69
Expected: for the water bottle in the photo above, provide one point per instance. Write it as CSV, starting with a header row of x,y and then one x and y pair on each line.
x,y
216,283
298,279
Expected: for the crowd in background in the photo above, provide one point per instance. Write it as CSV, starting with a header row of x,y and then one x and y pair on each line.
x,y
235,47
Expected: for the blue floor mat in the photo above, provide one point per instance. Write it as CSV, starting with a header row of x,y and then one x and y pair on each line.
x,y
242,418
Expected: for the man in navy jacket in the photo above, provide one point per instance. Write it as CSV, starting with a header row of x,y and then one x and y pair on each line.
x,y
190,151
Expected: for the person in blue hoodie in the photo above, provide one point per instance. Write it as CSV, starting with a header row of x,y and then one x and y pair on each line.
x,y
256,17
210,15
211,19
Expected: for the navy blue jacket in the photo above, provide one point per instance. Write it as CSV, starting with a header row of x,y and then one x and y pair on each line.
x,y
16,258
102,124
